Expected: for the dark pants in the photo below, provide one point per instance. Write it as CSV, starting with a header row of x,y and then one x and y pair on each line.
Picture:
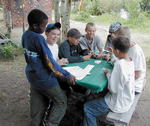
x,y
76,88
39,101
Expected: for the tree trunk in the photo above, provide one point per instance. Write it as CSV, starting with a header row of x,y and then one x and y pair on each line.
x,y
65,17
57,10
68,11
80,5
6,4
8,21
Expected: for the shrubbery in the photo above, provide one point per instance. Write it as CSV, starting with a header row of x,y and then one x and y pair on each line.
x,y
108,11
9,51
145,5
148,62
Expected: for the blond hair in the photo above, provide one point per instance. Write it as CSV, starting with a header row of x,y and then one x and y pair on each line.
x,y
123,32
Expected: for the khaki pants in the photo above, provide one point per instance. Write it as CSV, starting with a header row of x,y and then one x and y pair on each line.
x,y
39,101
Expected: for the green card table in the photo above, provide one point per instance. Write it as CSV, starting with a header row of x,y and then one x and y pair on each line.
x,y
96,80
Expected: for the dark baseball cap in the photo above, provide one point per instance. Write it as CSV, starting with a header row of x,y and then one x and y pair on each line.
x,y
52,25
114,27
75,33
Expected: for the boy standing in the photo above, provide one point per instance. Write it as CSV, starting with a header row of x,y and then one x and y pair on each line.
x,y
90,41
71,49
120,85
42,72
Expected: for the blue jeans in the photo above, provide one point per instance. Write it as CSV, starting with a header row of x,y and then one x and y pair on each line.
x,y
93,109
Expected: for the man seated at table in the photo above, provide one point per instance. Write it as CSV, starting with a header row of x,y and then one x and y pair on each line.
x,y
71,49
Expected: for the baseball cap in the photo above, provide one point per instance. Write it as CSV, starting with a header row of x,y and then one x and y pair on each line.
x,y
114,27
74,33
51,25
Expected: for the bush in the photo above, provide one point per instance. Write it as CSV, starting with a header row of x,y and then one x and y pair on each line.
x,y
99,7
145,5
96,8
82,16
9,51
148,62
110,10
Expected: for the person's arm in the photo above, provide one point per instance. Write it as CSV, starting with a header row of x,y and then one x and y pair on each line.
x,y
138,60
108,42
64,52
99,45
138,74
113,78
48,60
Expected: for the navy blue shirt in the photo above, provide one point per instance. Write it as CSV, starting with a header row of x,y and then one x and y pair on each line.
x,y
73,53
41,70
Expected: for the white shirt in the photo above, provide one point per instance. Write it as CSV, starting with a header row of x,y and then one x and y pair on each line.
x,y
137,55
121,86
54,50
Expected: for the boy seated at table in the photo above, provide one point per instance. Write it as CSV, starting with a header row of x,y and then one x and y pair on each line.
x,y
137,55
52,33
71,49
113,29
120,85
90,41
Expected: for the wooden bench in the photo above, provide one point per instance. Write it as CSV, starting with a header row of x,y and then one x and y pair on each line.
x,y
123,119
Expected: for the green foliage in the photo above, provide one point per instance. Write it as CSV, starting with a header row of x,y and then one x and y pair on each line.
x,y
145,5
9,51
82,16
95,8
109,6
99,7
132,7
148,62
110,12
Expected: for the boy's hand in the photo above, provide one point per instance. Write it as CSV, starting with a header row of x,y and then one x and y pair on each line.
x,y
62,61
71,80
110,50
106,56
98,56
87,57
65,60
106,71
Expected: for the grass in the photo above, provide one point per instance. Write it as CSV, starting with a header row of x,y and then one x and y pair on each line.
x,y
140,24
145,46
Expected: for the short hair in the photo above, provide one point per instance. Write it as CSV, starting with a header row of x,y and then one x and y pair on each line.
x,y
124,32
36,16
90,24
121,43
75,33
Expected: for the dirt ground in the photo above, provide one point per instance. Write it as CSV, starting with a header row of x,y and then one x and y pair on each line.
x,y
14,88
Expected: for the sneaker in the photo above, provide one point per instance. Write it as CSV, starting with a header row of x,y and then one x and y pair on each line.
x,y
88,92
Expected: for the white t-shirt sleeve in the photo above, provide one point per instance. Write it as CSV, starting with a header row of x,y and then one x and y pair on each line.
x,y
138,58
54,50
138,62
